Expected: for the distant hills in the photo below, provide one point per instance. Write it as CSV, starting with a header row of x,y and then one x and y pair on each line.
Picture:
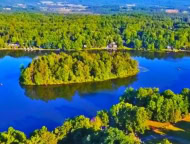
x,y
94,6
173,3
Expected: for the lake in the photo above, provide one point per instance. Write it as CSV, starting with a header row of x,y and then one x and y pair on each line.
x,y
27,108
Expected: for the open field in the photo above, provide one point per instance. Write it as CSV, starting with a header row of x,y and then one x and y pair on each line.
x,y
178,133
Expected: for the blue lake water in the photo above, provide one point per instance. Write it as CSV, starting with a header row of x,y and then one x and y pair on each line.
x,y
29,108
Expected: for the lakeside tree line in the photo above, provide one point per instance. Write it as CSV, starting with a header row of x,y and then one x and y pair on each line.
x,y
77,32
124,123
162,107
78,67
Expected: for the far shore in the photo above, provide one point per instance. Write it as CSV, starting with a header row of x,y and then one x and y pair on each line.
x,y
91,49
25,49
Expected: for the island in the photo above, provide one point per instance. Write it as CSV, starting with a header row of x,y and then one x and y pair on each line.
x,y
78,67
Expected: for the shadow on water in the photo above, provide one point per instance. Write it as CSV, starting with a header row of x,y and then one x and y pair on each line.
x,y
47,93
145,54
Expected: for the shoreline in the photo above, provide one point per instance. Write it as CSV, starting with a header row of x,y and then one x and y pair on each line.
x,y
27,50
89,81
92,49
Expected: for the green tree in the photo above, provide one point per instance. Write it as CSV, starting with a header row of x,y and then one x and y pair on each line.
x,y
121,114
12,136
42,136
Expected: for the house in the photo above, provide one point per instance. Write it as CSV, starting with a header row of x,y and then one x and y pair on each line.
x,y
172,11
112,45
7,9
169,47
84,46
12,45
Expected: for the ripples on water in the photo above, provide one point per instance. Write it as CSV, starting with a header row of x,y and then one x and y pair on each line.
x,y
143,69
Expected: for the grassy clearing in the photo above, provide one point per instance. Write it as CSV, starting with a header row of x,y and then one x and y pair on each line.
x,y
178,133
162,128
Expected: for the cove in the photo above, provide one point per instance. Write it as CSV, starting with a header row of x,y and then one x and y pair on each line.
x,y
27,108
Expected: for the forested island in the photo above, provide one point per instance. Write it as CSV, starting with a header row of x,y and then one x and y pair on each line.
x,y
80,32
125,122
78,67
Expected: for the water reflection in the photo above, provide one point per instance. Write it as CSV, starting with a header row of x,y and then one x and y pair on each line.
x,y
145,54
158,55
47,93
21,53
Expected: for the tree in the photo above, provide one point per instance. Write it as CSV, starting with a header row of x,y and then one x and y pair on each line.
x,y
110,136
103,115
12,136
121,115
137,44
2,43
42,136
72,125
165,141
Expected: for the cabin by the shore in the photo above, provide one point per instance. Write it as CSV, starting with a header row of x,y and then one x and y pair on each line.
x,y
112,45
170,47
12,45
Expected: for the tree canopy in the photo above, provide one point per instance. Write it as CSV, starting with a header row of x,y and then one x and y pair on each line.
x,y
164,107
77,32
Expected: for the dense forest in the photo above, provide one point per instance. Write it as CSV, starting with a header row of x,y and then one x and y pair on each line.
x,y
77,32
78,67
115,126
